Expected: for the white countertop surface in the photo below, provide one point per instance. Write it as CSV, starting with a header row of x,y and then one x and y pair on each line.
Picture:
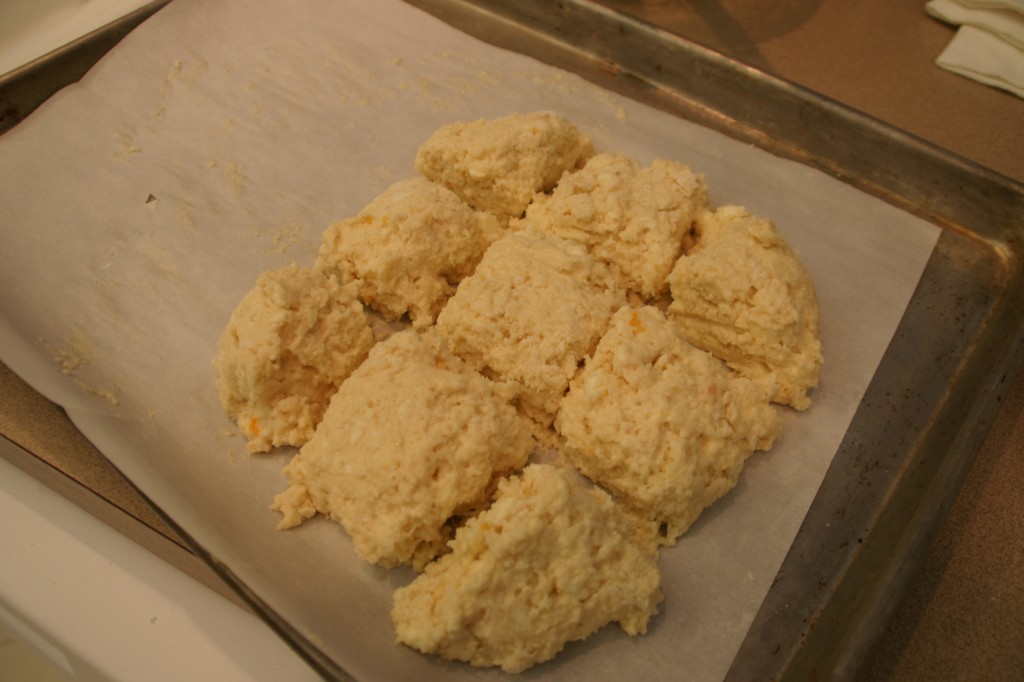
x,y
100,607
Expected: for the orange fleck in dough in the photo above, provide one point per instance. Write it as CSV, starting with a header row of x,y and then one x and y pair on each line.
x,y
410,440
552,561
661,424
532,311
287,347
499,165
743,294
408,249
635,219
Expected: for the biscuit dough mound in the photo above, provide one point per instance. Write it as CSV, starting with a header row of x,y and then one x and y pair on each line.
x,y
635,219
287,347
743,294
552,561
661,424
410,440
529,314
499,165
408,249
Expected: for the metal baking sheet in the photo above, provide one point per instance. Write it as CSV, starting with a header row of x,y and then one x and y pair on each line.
x,y
932,399
929,404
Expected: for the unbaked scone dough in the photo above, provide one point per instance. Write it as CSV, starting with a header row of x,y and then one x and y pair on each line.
x,y
411,439
408,248
743,294
529,314
535,258
552,561
499,165
661,424
286,348
635,219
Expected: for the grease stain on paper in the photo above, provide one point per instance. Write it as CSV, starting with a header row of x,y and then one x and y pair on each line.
x,y
187,72
186,219
102,272
126,147
286,238
233,173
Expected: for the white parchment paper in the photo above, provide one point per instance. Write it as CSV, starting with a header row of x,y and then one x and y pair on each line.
x,y
219,140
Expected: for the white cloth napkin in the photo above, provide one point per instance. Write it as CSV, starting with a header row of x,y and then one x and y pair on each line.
x,y
989,45
995,4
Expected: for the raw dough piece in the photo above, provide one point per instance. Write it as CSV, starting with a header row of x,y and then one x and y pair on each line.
x,y
530,314
660,423
552,561
635,219
289,344
408,249
744,295
410,440
499,165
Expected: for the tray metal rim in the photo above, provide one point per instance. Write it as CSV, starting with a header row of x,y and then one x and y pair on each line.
x,y
1002,235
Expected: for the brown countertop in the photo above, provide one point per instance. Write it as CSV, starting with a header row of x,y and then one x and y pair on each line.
x,y
877,56
962,615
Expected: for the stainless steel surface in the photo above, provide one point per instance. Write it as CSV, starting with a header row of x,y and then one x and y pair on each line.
x,y
932,399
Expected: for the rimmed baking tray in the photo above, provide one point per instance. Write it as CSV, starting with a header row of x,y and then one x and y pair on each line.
x,y
931,400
